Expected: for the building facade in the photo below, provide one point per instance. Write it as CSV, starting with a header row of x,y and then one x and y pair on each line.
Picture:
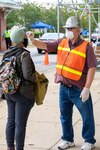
x,y
5,7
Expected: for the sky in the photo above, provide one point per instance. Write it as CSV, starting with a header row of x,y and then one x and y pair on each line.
x,y
50,1
38,1
45,1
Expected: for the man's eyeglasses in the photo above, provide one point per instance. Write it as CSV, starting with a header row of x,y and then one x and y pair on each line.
x,y
71,28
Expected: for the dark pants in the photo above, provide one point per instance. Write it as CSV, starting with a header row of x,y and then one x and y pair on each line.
x,y
18,111
8,42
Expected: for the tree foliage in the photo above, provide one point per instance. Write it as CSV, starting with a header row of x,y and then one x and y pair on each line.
x,y
31,12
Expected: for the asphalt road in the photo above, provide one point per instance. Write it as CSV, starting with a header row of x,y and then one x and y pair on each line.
x,y
38,60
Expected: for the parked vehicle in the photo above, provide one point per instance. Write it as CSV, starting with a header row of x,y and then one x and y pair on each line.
x,y
50,37
95,37
96,47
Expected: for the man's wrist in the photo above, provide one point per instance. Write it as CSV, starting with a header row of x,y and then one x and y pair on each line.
x,y
87,88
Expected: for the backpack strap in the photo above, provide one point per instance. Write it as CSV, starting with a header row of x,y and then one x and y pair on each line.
x,y
22,55
15,50
19,57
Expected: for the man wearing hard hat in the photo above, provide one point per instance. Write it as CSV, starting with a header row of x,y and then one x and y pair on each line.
x,y
75,69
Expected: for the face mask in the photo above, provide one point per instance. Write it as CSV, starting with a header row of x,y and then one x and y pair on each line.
x,y
69,34
25,42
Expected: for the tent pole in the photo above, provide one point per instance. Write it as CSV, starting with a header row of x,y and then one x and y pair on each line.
x,y
89,11
58,18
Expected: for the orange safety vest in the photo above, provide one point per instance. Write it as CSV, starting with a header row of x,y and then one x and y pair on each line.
x,y
70,63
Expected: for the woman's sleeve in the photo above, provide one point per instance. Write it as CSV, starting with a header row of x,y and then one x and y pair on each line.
x,y
28,67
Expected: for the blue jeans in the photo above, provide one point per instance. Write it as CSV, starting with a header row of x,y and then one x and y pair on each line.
x,y
18,111
68,97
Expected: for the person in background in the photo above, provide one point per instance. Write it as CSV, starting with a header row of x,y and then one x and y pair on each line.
x,y
6,36
75,70
20,103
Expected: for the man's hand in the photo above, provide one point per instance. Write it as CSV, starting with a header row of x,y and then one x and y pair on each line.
x,y
37,43
30,35
85,94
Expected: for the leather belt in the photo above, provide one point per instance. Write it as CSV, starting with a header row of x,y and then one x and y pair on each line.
x,y
68,85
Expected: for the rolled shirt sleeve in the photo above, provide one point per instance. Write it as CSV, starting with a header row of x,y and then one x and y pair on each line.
x,y
53,46
90,57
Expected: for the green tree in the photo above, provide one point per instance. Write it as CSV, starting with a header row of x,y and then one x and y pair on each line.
x,y
12,18
31,12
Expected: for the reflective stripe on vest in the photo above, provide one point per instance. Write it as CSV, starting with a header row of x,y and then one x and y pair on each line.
x,y
70,63
72,51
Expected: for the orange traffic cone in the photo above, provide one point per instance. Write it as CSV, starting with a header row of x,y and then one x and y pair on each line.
x,y
46,60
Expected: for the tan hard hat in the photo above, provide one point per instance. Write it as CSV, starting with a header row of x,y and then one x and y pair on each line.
x,y
72,21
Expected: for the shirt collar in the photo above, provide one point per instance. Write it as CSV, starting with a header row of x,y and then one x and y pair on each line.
x,y
79,40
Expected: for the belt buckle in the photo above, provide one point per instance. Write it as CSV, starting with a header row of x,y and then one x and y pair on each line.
x,y
69,85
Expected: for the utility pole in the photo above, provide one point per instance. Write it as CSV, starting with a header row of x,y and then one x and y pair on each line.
x,y
89,16
58,18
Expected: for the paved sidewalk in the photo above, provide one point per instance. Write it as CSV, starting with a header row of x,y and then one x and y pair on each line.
x,y
44,128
